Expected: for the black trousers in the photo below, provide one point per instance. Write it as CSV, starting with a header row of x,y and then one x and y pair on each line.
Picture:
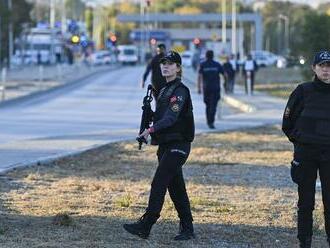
x,y
246,82
312,159
211,98
168,176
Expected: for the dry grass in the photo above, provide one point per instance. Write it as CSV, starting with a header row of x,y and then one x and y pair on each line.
x,y
238,182
276,82
282,90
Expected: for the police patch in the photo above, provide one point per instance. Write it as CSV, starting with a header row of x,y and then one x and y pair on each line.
x,y
287,112
173,99
175,108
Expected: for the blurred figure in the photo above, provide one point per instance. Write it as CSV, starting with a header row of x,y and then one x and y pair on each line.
x,y
209,78
229,76
157,79
250,67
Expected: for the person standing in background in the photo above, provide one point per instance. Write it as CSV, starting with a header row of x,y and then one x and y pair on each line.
x,y
209,81
157,79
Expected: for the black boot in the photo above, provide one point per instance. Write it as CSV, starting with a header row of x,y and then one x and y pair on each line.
x,y
142,227
305,243
328,241
186,231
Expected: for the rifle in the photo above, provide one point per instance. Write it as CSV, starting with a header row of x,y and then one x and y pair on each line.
x,y
147,114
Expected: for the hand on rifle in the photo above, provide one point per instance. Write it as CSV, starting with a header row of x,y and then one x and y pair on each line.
x,y
145,134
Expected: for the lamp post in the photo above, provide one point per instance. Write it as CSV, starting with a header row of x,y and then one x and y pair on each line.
x,y
224,24
286,32
233,28
11,34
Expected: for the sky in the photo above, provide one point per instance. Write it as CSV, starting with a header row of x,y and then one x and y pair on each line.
x,y
313,3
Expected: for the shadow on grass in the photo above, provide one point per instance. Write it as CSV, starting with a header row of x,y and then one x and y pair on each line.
x,y
97,232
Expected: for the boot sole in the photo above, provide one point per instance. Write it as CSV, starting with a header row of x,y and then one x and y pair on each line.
x,y
134,232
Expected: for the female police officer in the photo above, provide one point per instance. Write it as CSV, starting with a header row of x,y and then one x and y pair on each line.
x,y
173,130
306,122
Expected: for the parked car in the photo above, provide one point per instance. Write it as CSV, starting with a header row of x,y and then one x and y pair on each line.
x,y
187,58
101,57
264,58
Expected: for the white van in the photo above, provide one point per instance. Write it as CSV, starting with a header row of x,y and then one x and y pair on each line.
x,y
127,54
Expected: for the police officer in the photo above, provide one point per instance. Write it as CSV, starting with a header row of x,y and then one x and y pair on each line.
x,y
230,71
209,78
173,130
157,79
306,122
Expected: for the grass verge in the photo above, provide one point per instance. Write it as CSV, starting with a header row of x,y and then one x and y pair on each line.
x,y
239,185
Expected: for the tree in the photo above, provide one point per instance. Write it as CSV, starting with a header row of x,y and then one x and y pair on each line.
x,y
20,14
316,34
75,9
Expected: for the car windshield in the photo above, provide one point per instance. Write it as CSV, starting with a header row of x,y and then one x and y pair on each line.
x,y
129,52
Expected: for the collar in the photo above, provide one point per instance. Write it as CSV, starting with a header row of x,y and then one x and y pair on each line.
x,y
321,85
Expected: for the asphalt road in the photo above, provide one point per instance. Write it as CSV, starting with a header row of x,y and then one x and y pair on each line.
x,y
100,109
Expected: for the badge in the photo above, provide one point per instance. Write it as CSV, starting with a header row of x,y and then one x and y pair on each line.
x,y
173,99
175,108
287,112
180,98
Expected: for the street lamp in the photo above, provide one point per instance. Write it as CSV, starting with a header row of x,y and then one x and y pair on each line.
x,y
286,31
233,27
11,34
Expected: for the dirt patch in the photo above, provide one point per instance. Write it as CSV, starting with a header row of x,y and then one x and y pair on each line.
x,y
239,185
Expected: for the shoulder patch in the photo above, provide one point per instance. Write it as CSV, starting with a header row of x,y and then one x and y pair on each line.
x,y
173,99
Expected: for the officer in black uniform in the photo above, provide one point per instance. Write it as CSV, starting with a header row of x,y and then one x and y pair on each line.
x,y
306,122
157,79
208,76
173,130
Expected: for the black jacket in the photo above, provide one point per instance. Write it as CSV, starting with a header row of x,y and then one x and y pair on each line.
x,y
306,117
157,79
173,118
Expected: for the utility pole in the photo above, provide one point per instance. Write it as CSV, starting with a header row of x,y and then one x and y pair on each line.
x,y
52,27
52,14
63,17
11,33
0,44
233,27
224,23
142,54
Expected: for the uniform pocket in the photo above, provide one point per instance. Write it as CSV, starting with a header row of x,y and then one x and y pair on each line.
x,y
297,172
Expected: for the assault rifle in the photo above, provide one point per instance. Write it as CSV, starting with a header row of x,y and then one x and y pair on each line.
x,y
146,118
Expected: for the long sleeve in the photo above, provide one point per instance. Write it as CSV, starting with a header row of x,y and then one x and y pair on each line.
x,y
177,103
292,113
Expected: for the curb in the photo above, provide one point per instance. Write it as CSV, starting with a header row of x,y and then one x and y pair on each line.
x,y
70,84
232,101
244,107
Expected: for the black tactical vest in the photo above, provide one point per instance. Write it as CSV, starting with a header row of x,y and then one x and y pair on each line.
x,y
313,124
184,127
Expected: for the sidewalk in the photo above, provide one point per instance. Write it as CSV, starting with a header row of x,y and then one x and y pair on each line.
x,y
32,78
256,110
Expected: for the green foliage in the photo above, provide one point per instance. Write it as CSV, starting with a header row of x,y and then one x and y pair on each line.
x,y
20,14
89,21
75,9
316,34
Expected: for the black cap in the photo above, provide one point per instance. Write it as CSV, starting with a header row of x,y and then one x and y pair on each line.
x,y
321,57
161,45
172,56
